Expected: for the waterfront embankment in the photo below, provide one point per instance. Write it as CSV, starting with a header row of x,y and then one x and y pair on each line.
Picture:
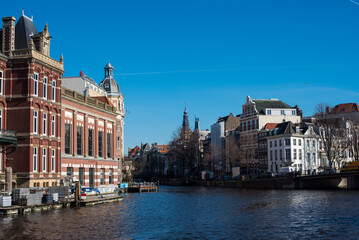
x,y
89,201
348,180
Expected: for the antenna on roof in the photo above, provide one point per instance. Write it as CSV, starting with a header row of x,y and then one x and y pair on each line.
x,y
32,18
22,13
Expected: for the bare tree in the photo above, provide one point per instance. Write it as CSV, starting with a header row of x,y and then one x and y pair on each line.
x,y
353,138
182,151
332,135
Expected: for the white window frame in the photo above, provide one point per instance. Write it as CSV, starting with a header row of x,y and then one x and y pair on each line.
x,y
36,84
35,120
1,82
53,125
53,91
53,160
34,159
0,119
44,87
44,159
44,124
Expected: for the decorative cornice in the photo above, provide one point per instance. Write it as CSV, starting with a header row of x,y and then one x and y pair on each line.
x,y
38,57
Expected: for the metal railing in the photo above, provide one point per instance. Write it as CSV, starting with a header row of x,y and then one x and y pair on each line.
x,y
7,133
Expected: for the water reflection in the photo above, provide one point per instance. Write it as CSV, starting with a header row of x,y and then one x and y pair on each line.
x,y
199,213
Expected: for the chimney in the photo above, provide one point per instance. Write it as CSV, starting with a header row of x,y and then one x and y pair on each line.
x,y
8,35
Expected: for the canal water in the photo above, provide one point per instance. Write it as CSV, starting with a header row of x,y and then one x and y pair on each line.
x,y
199,213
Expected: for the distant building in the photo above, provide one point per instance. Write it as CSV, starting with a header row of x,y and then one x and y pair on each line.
x,y
255,115
219,131
262,145
342,123
133,152
345,110
232,147
84,84
200,137
163,148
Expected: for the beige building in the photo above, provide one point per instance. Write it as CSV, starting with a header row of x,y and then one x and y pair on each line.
x,y
256,113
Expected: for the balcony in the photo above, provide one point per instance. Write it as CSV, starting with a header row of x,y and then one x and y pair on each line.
x,y
8,137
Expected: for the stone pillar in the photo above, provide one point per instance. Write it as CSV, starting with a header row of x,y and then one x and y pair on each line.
x,y
95,139
114,140
74,135
105,139
8,179
86,141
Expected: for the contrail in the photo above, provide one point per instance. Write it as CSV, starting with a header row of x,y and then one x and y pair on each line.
x,y
235,69
354,2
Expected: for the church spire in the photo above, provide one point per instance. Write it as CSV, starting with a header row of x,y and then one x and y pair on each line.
x,y
185,123
196,124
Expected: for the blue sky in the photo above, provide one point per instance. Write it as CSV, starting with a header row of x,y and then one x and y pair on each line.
x,y
211,54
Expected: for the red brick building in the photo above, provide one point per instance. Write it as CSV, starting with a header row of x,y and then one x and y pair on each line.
x,y
30,102
88,140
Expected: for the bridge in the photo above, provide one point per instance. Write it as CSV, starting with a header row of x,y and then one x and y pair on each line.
x,y
344,180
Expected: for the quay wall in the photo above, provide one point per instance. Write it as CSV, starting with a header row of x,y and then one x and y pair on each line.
x,y
273,183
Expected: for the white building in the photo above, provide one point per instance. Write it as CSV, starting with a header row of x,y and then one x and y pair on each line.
x,y
294,146
217,142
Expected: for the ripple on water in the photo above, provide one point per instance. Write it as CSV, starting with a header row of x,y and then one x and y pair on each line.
x,y
199,213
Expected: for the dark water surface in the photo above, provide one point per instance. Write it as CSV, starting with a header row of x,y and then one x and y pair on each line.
x,y
199,213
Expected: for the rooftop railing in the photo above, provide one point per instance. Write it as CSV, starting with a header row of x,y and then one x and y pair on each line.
x,y
91,101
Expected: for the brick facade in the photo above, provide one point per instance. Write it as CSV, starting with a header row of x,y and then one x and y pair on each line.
x,y
80,116
31,86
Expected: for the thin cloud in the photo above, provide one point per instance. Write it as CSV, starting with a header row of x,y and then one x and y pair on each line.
x,y
354,2
236,69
